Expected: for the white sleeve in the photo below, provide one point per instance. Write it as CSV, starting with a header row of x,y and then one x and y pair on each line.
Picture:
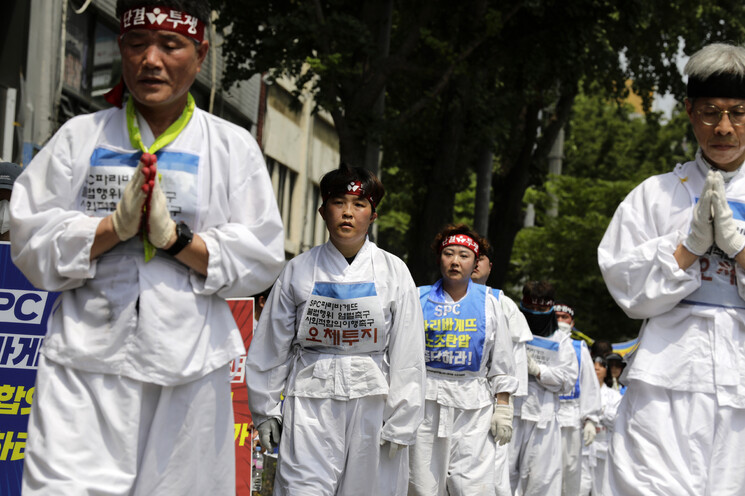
x,y
560,378
519,329
610,409
589,397
520,352
520,333
404,407
269,357
636,252
501,371
51,240
247,252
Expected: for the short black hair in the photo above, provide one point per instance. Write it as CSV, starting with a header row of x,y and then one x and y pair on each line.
x,y
335,183
600,348
198,8
488,250
541,290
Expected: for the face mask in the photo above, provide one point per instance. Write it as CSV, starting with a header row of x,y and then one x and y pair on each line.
x,y
4,216
541,323
564,326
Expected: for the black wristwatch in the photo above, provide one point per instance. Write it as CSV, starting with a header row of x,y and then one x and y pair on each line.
x,y
183,238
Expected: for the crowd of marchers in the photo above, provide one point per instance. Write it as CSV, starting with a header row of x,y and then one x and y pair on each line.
x,y
366,383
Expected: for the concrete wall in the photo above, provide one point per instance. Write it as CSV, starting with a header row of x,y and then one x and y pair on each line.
x,y
307,146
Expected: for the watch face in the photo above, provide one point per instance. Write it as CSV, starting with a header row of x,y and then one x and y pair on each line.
x,y
184,231
183,238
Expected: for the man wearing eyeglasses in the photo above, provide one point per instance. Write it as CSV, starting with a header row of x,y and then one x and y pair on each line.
x,y
673,255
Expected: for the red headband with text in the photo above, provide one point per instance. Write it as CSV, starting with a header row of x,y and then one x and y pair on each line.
x,y
461,240
155,18
162,18
353,188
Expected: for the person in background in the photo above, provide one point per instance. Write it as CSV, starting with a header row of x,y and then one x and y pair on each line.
x,y
578,410
259,303
616,364
535,453
594,456
341,336
601,348
470,376
520,334
145,218
8,174
673,256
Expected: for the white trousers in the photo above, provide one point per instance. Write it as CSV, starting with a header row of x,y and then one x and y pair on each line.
x,y
674,443
104,435
502,470
332,447
571,459
599,474
535,459
587,476
453,453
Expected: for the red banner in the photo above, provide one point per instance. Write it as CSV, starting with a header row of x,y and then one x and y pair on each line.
x,y
243,312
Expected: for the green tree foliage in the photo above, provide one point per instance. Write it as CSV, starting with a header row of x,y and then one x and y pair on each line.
x,y
608,151
345,52
551,50
460,79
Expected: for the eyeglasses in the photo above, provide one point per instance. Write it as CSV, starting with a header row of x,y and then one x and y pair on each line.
x,y
601,361
711,115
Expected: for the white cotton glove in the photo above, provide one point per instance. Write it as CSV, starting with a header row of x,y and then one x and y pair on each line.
x,y
128,214
589,431
533,367
701,237
393,449
726,235
501,424
160,225
269,433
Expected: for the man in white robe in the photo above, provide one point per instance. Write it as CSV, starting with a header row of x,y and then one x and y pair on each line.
x,y
672,255
145,218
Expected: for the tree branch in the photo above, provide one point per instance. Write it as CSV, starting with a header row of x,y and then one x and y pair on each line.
x,y
439,87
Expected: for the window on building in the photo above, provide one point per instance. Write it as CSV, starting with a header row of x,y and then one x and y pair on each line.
x,y
283,181
92,63
317,226
92,66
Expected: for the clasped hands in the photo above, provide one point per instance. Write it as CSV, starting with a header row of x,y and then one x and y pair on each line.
x,y
713,221
144,207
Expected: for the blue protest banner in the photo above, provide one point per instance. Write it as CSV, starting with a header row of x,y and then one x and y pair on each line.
x,y
24,311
